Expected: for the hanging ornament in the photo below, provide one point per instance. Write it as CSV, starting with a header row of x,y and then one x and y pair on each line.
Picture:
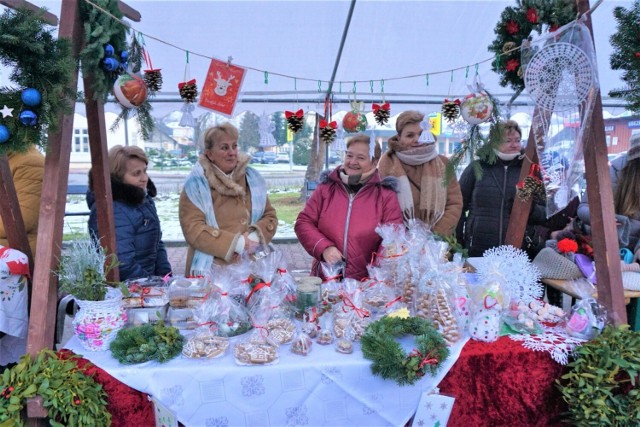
x,y
188,90
531,185
124,60
338,144
426,137
6,112
187,118
451,110
355,120
266,128
4,134
153,79
110,63
476,107
295,121
328,131
28,118
381,113
31,97
130,90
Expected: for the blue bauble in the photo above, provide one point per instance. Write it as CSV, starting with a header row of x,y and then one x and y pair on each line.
x,y
31,97
4,134
108,50
110,64
28,118
124,56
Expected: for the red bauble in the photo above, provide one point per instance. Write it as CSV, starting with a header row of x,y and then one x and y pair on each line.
x,y
512,27
512,64
354,121
532,15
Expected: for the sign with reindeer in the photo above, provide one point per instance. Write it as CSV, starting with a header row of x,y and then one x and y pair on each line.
x,y
222,87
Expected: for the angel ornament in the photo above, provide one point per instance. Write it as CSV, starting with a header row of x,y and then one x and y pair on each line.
x,y
266,128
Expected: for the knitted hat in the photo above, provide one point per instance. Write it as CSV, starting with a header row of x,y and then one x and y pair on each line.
x,y
631,280
552,265
634,147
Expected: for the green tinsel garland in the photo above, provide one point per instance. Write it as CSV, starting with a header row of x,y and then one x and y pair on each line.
x,y
626,55
389,359
38,61
71,397
515,25
147,342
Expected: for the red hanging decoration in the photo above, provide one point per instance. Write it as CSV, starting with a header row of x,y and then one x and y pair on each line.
x,y
512,27
531,185
328,131
188,90
295,120
381,113
451,110
532,15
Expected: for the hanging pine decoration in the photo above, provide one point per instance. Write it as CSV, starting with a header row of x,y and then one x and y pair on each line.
x,y
328,131
153,79
451,110
295,120
188,90
381,113
531,185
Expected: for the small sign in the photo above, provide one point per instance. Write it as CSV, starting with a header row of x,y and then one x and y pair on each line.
x,y
222,87
435,119
433,410
164,416
634,124
609,128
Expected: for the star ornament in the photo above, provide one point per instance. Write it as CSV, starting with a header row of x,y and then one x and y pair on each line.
x,y
6,112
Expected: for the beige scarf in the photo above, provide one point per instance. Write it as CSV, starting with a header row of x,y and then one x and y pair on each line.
x,y
433,194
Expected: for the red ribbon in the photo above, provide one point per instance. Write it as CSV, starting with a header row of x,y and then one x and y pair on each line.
x,y
455,101
361,312
282,271
190,82
332,278
325,124
393,301
534,170
257,288
427,359
289,114
377,107
314,318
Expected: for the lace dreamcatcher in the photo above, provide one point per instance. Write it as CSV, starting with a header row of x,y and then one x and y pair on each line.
x,y
560,76
266,128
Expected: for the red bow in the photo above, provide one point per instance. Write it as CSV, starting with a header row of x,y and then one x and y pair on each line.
x,y
377,107
324,124
289,114
455,101
534,170
190,82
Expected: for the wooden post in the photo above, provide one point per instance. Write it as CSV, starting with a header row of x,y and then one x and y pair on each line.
x,y
48,17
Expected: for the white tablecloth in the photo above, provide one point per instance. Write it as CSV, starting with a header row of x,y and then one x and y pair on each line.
x,y
324,388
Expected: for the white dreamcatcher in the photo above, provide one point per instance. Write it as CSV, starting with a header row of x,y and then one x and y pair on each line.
x,y
266,128
513,270
561,79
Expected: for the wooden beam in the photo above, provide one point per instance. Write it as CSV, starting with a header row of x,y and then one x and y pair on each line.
x,y
47,16
603,221
11,214
129,12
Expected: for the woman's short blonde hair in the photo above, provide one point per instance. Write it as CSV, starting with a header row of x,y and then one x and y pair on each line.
x,y
364,138
213,134
118,156
409,117
508,125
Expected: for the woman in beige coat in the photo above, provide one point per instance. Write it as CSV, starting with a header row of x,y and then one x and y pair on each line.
x,y
224,208
420,171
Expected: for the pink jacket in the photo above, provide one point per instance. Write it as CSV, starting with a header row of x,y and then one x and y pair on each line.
x,y
333,217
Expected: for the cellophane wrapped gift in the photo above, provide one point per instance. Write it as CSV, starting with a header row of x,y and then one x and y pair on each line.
x,y
487,302
344,343
225,304
393,259
261,282
301,344
350,313
441,309
147,301
310,322
205,342
258,348
378,292
587,319
187,292
325,329
458,282
280,325
332,283
284,282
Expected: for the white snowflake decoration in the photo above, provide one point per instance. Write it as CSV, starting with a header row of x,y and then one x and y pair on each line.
x,y
553,340
512,268
266,128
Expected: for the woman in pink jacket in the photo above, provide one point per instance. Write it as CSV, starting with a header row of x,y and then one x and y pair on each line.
x,y
339,220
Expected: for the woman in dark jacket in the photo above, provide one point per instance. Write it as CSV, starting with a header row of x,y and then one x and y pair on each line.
x,y
487,201
141,252
339,220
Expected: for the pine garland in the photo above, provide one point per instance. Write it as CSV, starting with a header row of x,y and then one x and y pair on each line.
x,y
389,359
515,25
38,61
147,342
626,55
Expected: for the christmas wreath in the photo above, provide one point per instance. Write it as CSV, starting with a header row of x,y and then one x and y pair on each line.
x,y
41,69
601,386
515,25
147,342
390,361
626,55
70,396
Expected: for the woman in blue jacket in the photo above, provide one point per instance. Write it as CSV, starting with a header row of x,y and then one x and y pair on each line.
x,y
141,252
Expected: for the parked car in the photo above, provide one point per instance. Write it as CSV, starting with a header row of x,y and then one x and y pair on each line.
x,y
269,157
257,157
282,158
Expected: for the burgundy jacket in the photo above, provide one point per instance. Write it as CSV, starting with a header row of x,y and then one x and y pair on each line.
x,y
333,217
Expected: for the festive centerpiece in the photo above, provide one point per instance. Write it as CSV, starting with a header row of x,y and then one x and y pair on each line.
x,y
147,342
82,273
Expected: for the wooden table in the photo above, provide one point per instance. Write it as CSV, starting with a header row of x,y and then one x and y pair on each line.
x,y
631,298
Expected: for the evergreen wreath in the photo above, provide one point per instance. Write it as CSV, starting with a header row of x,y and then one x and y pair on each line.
x,y
38,61
147,342
70,396
601,386
514,27
389,359
626,55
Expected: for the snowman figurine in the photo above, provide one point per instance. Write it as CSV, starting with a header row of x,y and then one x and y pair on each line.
x,y
485,320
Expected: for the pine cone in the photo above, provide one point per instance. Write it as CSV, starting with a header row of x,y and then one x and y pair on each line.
x,y
327,134
451,110
295,123
153,79
189,92
381,116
